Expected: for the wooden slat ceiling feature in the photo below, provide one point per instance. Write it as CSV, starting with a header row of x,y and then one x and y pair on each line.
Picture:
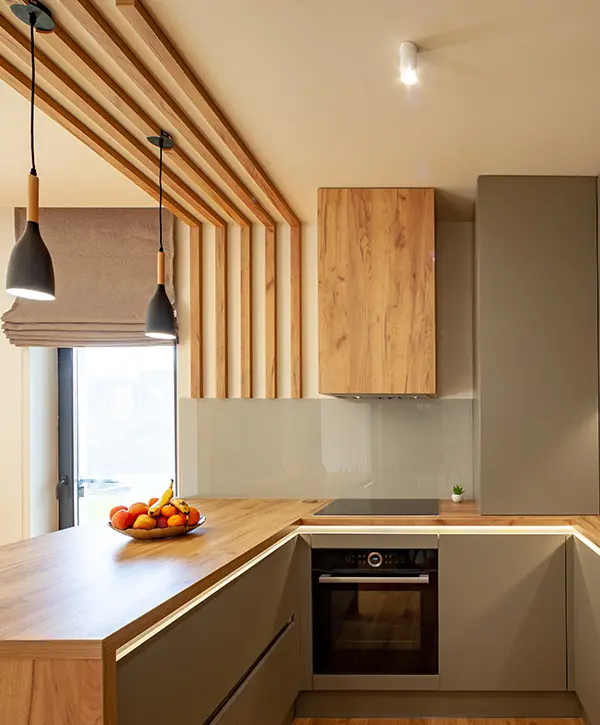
x,y
192,181
22,84
107,37
16,43
167,54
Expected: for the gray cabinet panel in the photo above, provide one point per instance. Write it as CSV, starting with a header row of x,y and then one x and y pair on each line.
x,y
586,582
537,345
268,694
502,612
208,652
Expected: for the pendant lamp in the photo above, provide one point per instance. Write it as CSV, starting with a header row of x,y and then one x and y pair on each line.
x,y
30,272
160,316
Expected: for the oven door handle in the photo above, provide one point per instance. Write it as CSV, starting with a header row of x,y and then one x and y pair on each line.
x,y
332,579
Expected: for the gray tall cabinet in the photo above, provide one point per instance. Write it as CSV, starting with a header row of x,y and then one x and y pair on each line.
x,y
537,345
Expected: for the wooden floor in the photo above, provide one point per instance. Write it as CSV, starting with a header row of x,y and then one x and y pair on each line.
x,y
440,721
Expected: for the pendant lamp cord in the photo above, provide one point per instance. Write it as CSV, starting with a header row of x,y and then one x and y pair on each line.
x,y
32,20
160,200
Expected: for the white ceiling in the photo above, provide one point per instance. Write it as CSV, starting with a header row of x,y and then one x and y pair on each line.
x,y
507,87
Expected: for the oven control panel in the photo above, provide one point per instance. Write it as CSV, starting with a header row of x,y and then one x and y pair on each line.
x,y
384,559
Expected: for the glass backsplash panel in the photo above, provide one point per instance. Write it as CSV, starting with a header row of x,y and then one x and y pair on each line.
x,y
326,448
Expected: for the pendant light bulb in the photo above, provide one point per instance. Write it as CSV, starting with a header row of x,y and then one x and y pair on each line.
x,y
160,316
30,271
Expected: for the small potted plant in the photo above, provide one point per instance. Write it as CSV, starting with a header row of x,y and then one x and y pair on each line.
x,y
457,494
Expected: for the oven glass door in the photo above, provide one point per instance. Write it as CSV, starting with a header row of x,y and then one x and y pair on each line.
x,y
375,625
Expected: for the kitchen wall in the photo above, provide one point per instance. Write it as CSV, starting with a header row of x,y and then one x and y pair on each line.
x,y
322,446
13,431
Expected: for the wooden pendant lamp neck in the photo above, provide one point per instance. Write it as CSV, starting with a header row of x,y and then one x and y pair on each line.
x,y
160,268
33,199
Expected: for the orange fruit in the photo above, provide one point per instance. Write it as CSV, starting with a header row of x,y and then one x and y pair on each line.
x,y
161,522
138,508
152,502
122,519
114,510
176,520
144,521
168,511
194,516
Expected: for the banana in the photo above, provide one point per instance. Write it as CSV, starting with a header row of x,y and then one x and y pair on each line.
x,y
180,505
166,498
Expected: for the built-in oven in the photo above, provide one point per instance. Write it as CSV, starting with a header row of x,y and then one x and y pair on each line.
x,y
375,611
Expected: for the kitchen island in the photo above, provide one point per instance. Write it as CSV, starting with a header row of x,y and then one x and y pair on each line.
x,y
77,602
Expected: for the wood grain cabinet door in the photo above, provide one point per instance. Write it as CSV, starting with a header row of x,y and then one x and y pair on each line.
x,y
503,612
376,292
586,616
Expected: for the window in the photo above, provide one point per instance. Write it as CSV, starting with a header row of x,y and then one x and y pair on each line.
x,y
117,437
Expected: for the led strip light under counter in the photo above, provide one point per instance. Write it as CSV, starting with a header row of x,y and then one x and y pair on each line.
x,y
365,529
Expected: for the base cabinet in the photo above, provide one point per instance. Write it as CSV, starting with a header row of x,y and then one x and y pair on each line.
x,y
503,612
208,652
586,626
267,695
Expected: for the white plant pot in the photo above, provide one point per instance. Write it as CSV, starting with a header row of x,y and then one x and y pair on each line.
x,y
457,497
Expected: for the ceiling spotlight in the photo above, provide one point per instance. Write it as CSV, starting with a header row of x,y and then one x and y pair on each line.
x,y
408,63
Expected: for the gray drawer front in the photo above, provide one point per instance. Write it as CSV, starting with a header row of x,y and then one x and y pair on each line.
x,y
208,652
270,690
374,541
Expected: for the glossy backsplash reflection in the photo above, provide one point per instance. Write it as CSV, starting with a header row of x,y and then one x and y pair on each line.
x,y
326,448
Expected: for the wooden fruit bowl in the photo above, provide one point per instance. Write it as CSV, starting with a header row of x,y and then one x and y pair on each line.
x,y
145,534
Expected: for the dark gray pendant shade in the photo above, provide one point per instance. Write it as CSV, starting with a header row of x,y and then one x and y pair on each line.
x,y
160,318
30,272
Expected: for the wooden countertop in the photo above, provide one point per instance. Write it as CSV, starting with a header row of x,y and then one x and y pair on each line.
x,y
84,592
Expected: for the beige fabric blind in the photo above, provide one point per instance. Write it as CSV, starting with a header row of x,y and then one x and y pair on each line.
x,y
105,268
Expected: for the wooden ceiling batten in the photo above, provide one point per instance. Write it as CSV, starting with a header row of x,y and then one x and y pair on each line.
x,y
196,322
271,310
246,310
107,37
221,241
296,309
22,84
164,50
17,43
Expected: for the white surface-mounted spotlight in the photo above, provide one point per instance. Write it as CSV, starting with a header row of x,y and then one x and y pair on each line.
x,y
408,63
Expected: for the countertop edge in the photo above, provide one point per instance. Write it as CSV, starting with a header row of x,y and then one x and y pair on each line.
x,y
585,527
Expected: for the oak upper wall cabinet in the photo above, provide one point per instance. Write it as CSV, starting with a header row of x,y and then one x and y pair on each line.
x,y
376,292
537,344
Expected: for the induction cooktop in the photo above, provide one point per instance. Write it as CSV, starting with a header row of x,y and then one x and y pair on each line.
x,y
381,507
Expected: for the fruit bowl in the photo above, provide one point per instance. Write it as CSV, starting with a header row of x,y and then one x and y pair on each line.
x,y
167,533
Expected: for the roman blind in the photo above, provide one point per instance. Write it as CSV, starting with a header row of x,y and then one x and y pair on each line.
x,y
105,269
